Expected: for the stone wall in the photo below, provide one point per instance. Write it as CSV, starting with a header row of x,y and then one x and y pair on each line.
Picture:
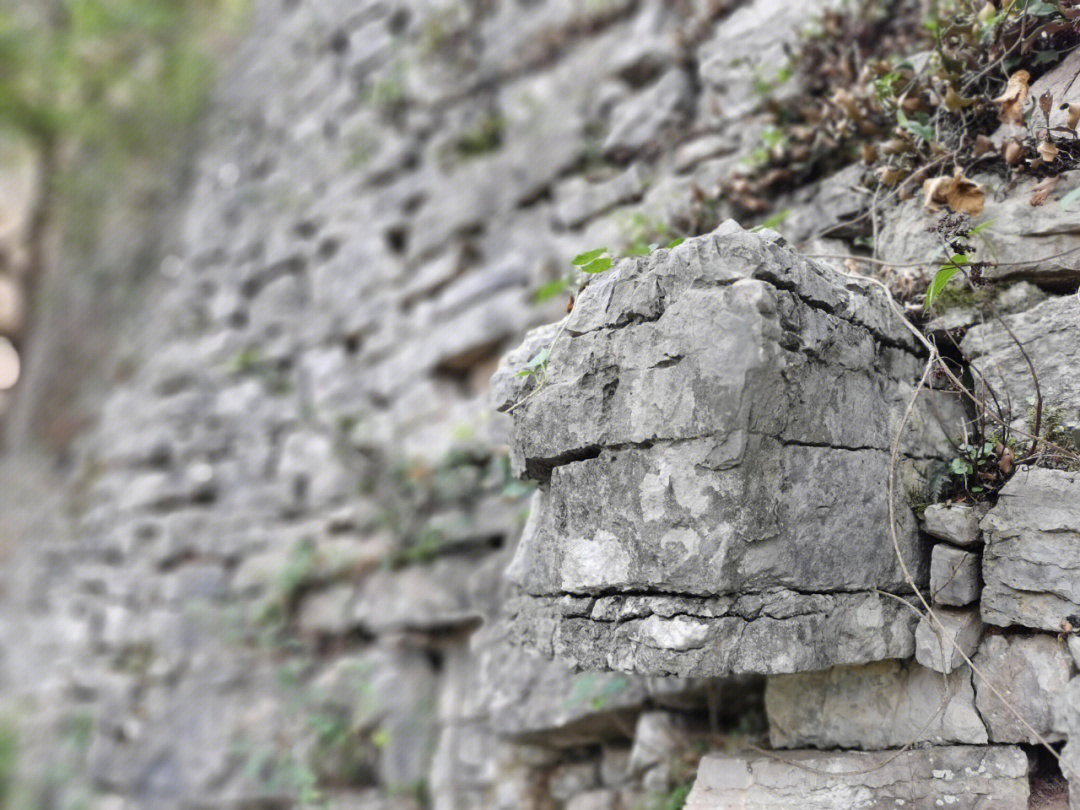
x,y
275,574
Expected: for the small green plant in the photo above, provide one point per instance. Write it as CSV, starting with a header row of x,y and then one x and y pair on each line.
x,y
425,550
674,799
954,232
772,144
596,691
766,85
773,222
485,137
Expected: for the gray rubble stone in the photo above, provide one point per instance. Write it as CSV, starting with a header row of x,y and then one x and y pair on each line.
x,y
1050,334
957,523
959,777
572,778
1067,719
658,736
1032,552
954,576
536,699
595,800
886,704
1026,240
1031,672
933,648
644,118
684,389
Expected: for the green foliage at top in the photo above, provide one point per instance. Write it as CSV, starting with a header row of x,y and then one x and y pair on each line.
x,y
111,74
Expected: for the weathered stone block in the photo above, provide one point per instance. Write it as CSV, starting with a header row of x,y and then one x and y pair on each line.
x,y
957,523
959,777
1032,673
1028,241
954,576
1050,334
1032,552
887,704
778,631
936,645
715,427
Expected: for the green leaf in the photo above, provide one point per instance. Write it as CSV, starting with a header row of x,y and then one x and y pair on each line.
x,y
774,221
1042,9
551,290
598,265
944,276
982,226
674,243
539,359
1045,57
583,259
921,128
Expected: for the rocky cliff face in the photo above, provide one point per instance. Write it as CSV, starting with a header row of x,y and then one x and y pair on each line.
x,y
286,568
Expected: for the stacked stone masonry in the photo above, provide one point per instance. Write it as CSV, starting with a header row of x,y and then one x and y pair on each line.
x,y
301,566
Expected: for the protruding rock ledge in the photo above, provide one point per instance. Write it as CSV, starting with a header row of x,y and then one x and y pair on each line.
x,y
958,777
712,441
770,633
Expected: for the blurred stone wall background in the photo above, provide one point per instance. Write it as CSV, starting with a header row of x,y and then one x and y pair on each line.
x,y
256,509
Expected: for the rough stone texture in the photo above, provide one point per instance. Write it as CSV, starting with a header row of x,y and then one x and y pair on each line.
x,y
272,561
954,576
1049,333
957,523
681,393
1032,555
757,633
961,777
1019,237
1031,672
887,704
937,643
1067,719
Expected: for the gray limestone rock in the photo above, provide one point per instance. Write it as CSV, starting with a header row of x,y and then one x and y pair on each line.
x,y
1032,552
954,576
715,427
643,119
957,523
1050,335
1031,672
959,777
773,632
936,644
887,704
1027,240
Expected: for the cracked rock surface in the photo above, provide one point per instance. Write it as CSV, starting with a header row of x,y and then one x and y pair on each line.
x,y
959,777
712,443
1032,551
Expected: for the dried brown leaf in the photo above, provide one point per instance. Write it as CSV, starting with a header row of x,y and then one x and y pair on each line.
x,y
954,101
1047,151
1011,102
1074,116
962,195
1046,101
1012,153
1041,192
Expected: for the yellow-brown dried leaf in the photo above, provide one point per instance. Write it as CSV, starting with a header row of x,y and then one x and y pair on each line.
x,y
1041,193
960,194
1047,151
1011,102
